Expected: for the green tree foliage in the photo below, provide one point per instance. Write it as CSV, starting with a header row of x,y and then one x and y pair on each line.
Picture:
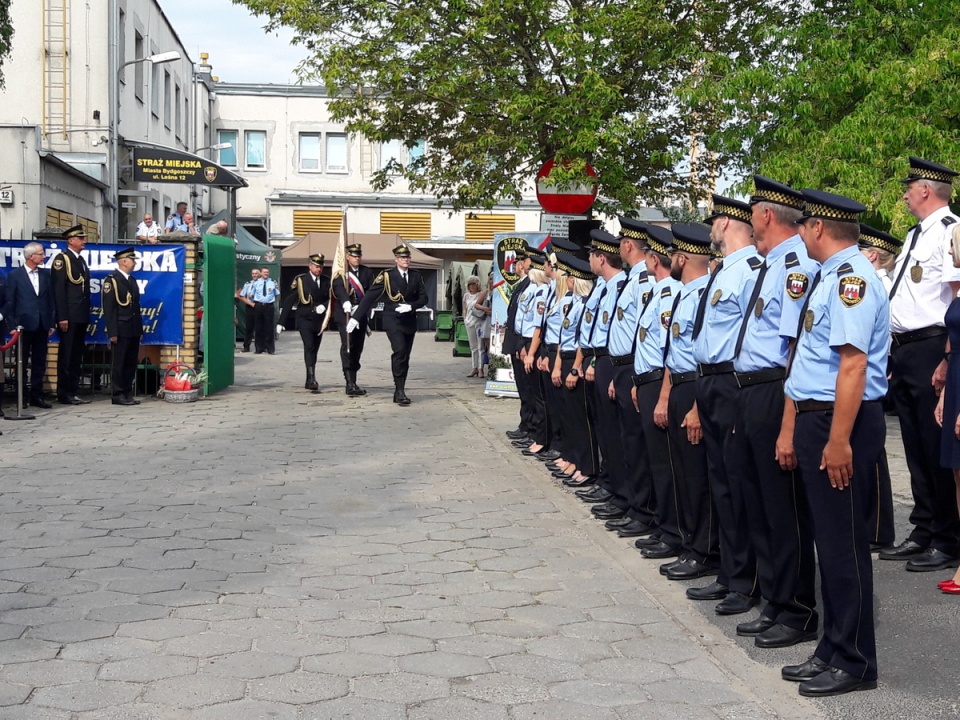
x,y
495,87
6,34
856,88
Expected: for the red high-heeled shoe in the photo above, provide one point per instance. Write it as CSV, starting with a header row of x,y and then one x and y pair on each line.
x,y
945,583
951,589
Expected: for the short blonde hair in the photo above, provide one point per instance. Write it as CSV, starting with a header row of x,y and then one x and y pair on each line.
x,y
473,279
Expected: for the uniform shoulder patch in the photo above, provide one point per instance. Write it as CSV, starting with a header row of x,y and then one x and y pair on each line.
x,y
755,262
791,259
378,280
852,289
58,263
797,285
844,269
107,285
948,221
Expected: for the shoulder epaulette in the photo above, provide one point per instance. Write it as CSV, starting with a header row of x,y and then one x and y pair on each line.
x,y
620,285
948,221
844,269
791,259
378,280
755,262
666,292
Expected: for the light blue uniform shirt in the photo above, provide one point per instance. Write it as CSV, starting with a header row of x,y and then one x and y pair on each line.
x,y
534,309
551,299
605,311
573,310
522,302
848,307
265,290
555,315
680,356
623,326
726,303
653,326
773,321
590,312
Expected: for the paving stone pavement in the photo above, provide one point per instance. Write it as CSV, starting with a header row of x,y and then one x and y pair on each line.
x,y
269,553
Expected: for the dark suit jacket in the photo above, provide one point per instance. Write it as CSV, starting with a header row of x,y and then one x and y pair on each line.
x,y
71,288
304,287
346,291
511,341
24,307
121,306
390,288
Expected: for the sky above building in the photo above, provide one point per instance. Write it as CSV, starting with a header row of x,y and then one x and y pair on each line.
x,y
240,50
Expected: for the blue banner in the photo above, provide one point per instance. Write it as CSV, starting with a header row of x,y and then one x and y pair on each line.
x,y
159,274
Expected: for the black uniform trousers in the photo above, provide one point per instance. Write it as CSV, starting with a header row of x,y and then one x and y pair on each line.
x,y
842,538
880,516
70,358
123,366
657,440
401,343
539,429
553,407
698,526
637,478
522,381
934,513
777,516
613,475
248,325
33,344
579,441
350,359
717,403
264,327
311,343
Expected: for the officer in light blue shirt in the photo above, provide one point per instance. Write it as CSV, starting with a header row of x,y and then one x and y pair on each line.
x,y
265,293
529,318
715,330
836,380
691,256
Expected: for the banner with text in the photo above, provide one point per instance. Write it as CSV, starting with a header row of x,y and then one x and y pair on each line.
x,y
159,273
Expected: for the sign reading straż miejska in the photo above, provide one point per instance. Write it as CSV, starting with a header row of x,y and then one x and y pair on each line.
x,y
168,165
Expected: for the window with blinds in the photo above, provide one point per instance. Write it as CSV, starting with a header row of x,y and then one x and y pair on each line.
x,y
480,228
307,221
409,226
59,218
91,228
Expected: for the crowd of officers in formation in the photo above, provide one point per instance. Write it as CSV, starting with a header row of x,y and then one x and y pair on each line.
x,y
715,390
344,301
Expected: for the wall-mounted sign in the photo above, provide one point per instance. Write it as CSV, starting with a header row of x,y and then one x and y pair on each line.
x,y
168,165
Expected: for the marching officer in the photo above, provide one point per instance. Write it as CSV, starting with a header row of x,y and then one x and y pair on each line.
x,y
121,311
836,381
760,453
403,293
925,282
310,291
71,292
349,290
716,326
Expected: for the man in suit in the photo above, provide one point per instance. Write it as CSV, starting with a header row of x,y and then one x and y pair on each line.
x,y
349,290
403,293
512,343
28,304
71,294
121,310
310,292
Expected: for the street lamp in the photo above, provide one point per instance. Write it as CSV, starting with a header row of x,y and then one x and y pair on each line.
x,y
215,146
155,59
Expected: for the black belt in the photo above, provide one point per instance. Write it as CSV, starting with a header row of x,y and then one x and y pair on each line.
x,y
813,405
600,352
915,335
648,377
756,377
587,352
260,302
714,369
552,349
620,360
568,354
680,378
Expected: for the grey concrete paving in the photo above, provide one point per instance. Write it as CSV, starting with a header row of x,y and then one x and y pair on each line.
x,y
268,553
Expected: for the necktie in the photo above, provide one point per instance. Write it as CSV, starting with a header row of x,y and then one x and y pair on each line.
x,y
754,296
673,310
702,307
593,325
906,261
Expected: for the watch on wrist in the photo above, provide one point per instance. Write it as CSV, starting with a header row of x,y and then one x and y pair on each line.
x,y
575,372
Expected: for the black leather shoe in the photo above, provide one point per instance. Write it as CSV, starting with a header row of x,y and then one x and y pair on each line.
x,y
70,400
530,453
586,481
553,467
561,475
40,403
690,570
781,636
658,551
617,523
607,511
804,671
596,494
122,401
665,568
932,559
132,399
904,551
755,627
548,455
647,542
77,400
516,434
524,443
834,681
634,529
713,591
735,604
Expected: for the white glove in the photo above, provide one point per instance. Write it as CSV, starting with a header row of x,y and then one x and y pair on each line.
x,y
352,325
321,309
279,329
403,308
348,307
